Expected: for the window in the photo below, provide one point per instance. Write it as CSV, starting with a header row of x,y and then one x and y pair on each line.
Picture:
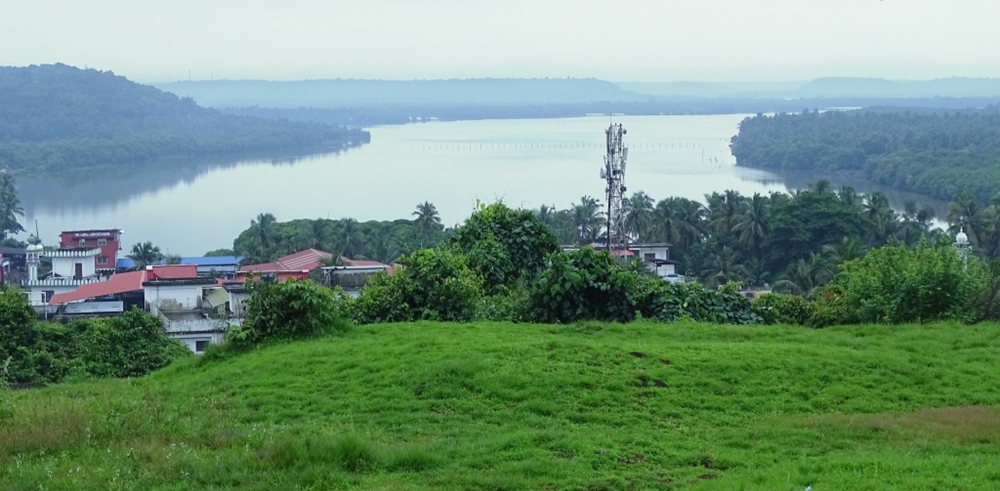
x,y
102,260
102,242
199,346
650,256
83,242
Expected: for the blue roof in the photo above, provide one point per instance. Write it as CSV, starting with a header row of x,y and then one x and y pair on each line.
x,y
128,263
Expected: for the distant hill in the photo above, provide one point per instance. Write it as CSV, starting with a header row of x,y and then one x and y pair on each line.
x,y
352,92
825,88
55,117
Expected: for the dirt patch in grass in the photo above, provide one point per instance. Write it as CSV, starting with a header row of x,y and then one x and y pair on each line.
x,y
966,424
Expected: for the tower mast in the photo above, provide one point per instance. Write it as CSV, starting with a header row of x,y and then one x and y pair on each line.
x,y
614,175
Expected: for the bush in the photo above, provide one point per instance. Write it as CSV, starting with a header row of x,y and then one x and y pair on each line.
x,y
430,284
130,345
505,246
583,285
508,305
668,302
287,310
776,308
895,284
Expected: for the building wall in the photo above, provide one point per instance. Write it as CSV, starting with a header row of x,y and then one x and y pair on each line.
x,y
66,266
194,341
173,298
108,240
237,304
37,294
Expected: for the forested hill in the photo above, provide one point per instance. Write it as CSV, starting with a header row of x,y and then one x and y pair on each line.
x,y
937,153
55,117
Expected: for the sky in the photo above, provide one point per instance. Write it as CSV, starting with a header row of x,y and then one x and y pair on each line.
x,y
620,40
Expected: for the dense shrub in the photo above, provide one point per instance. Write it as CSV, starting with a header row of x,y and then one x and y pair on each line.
x,y
668,302
287,310
431,284
130,345
895,284
583,285
504,246
775,308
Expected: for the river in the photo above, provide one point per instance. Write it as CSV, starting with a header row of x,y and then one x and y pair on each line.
x,y
190,207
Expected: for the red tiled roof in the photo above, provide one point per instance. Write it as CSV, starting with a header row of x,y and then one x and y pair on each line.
x,y
622,252
173,272
306,260
118,283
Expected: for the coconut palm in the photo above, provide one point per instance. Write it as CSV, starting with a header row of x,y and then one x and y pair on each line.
x,y
384,245
752,224
587,218
10,206
144,254
348,239
965,212
804,277
639,216
547,215
264,229
722,266
427,221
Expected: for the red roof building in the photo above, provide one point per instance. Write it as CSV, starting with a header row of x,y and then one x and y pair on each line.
x,y
109,241
120,283
296,266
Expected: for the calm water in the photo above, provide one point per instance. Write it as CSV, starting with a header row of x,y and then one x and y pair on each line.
x,y
189,207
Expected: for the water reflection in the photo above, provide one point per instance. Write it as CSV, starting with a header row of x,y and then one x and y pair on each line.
x,y
192,206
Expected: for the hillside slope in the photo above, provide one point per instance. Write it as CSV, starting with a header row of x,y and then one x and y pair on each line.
x,y
499,406
55,117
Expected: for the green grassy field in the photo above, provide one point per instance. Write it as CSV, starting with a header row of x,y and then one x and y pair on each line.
x,y
506,407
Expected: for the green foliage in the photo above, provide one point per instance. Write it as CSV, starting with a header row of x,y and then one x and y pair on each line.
x,y
671,302
6,405
431,284
776,308
10,205
287,310
505,246
130,345
509,304
895,284
583,285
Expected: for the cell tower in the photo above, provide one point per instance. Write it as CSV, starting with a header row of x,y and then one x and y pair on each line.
x,y
614,173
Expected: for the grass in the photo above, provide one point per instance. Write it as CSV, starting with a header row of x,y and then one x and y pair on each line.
x,y
509,407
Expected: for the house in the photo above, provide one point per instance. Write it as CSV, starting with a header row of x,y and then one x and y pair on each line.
x,y
295,266
175,293
72,268
12,264
108,241
181,303
657,258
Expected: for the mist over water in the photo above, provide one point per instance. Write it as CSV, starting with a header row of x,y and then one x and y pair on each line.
x,y
190,207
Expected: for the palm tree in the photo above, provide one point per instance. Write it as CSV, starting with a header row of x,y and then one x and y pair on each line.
x,y
881,219
264,229
691,215
848,249
384,245
965,211
427,222
723,210
547,215
10,206
667,223
318,235
639,217
752,224
587,218
722,266
349,238
144,254
804,277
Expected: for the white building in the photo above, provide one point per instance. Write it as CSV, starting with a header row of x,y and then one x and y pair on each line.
x,y
182,306
657,258
71,268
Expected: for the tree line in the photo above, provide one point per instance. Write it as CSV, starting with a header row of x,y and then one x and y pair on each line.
x,y
934,152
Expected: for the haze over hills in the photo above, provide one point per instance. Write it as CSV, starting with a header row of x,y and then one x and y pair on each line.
x,y
353,92
828,87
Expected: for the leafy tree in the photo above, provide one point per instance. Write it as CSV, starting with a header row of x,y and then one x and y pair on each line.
x,y
431,284
144,254
505,246
220,253
583,284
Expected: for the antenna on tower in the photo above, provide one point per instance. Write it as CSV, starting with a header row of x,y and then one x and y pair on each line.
x,y
614,175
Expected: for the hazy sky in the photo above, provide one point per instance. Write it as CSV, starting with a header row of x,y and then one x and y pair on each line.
x,y
621,40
